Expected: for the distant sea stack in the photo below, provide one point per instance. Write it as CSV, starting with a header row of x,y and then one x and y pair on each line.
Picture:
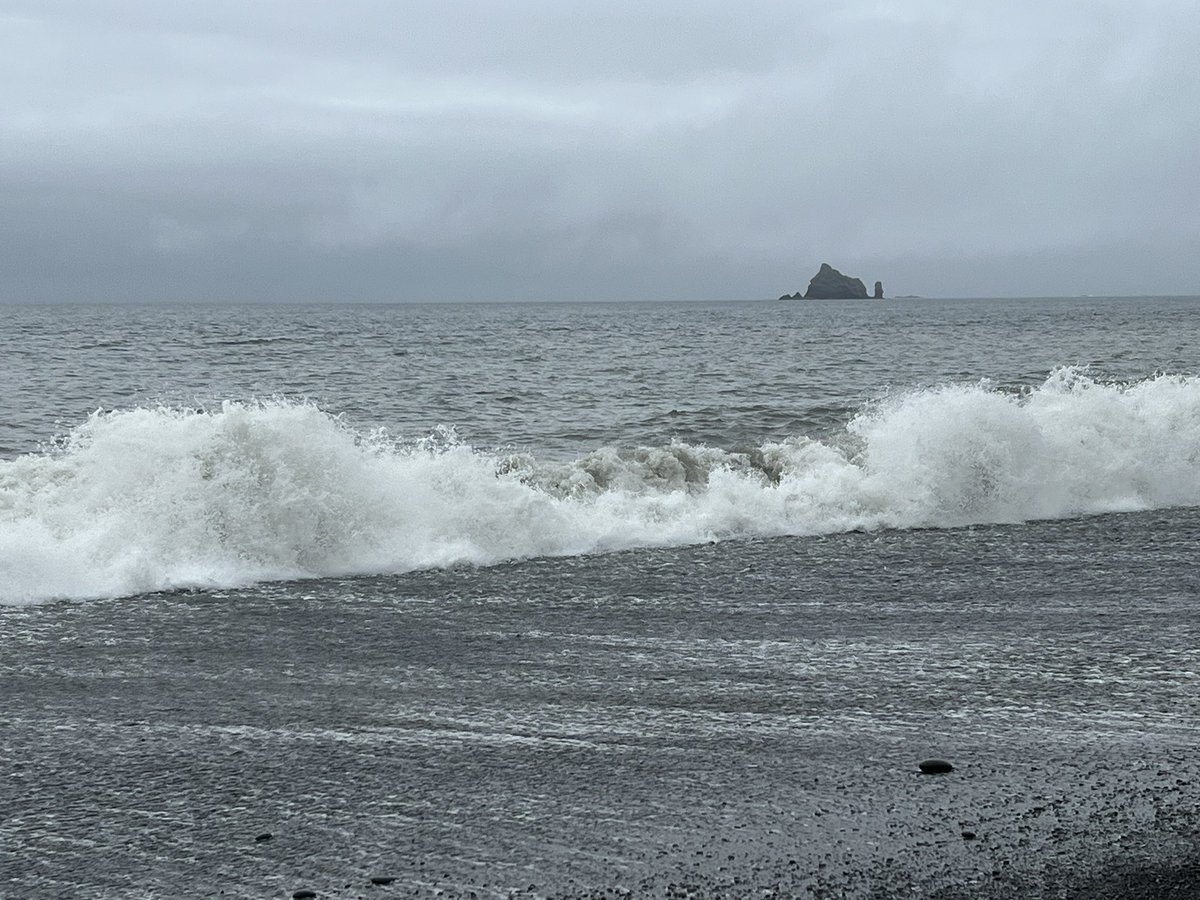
x,y
830,284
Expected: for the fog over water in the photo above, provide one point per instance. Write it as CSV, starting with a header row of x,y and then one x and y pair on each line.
x,y
533,151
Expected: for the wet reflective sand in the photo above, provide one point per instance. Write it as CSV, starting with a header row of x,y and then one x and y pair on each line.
x,y
742,719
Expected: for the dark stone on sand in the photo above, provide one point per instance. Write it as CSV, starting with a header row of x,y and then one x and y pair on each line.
x,y
830,284
934,767
382,879
265,836
879,290
304,894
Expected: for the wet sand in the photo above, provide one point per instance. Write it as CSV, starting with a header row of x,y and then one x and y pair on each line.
x,y
741,720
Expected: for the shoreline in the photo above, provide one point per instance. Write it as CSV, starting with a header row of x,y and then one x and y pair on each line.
x,y
732,720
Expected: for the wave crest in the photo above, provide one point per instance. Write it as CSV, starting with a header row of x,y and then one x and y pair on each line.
x,y
151,499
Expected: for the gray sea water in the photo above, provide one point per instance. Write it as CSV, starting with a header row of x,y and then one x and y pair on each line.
x,y
567,379
661,599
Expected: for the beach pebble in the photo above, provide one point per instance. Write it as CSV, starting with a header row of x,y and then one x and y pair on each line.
x,y
934,766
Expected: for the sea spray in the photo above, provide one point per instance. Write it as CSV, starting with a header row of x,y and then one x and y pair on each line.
x,y
159,498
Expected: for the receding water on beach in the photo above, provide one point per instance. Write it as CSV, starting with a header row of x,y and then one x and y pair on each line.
x,y
662,599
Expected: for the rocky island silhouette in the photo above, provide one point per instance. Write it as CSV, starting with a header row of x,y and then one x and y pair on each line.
x,y
830,284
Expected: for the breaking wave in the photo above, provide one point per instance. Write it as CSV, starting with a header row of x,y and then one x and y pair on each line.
x,y
152,499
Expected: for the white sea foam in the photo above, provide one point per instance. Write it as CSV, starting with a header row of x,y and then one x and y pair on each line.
x,y
152,499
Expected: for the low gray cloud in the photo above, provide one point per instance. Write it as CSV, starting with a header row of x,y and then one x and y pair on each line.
x,y
538,150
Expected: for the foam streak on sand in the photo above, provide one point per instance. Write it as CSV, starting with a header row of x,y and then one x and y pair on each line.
x,y
149,499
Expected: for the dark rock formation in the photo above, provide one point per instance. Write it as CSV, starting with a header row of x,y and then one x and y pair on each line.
x,y
934,766
830,284
879,290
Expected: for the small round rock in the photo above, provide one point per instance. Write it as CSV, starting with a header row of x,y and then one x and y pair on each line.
x,y
934,767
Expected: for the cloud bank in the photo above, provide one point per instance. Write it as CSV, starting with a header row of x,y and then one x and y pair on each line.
x,y
429,151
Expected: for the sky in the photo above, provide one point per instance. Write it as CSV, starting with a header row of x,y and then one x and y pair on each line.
x,y
475,150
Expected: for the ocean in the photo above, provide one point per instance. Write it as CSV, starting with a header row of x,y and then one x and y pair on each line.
x,y
661,599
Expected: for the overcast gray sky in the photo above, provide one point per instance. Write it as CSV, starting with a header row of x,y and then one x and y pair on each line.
x,y
548,149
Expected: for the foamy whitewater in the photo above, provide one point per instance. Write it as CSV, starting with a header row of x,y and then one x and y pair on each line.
x,y
157,498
